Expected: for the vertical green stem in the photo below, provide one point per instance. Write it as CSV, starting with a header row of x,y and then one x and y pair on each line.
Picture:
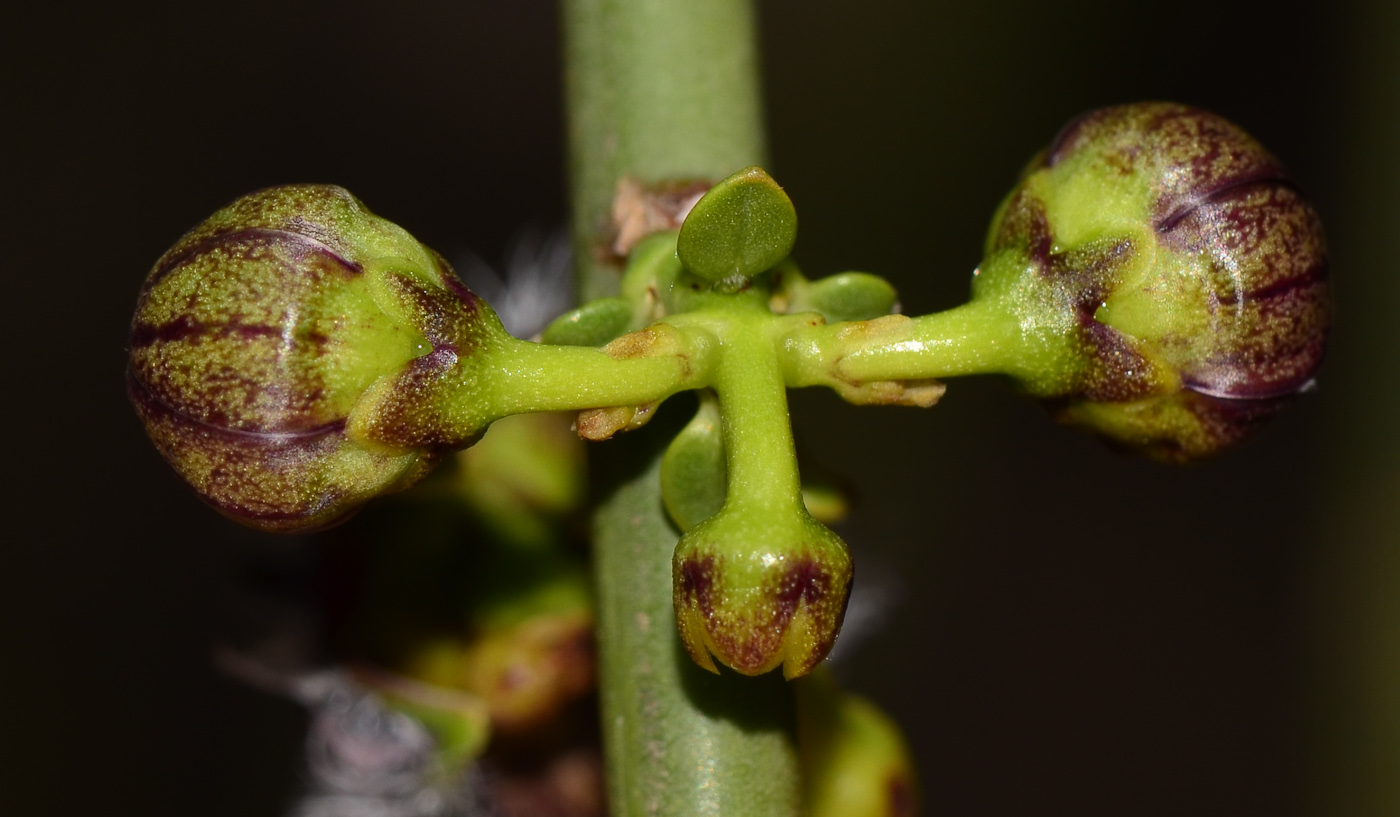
x,y
665,90
659,90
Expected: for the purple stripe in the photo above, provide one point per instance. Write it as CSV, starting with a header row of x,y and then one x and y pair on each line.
x,y
1315,276
151,403
169,262
186,327
1262,176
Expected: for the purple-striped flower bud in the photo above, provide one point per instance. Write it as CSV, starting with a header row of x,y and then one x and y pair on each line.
x,y
285,355
1184,265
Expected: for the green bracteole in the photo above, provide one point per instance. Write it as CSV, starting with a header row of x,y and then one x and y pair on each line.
x,y
693,479
741,227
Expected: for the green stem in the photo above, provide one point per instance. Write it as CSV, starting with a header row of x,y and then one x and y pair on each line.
x,y
982,336
528,377
758,446
665,91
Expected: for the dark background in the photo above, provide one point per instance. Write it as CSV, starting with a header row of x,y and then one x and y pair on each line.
x,y
1074,633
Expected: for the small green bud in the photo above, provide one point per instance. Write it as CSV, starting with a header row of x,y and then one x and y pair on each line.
x,y
758,590
694,481
285,354
1183,267
524,475
855,762
529,672
459,722
852,296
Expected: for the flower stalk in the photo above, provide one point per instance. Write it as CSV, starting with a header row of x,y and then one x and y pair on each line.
x,y
760,584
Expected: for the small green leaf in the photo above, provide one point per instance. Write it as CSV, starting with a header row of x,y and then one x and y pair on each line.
x,y
693,479
743,226
851,296
593,324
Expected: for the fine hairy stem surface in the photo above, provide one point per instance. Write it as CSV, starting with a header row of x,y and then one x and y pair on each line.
x,y
663,92
659,91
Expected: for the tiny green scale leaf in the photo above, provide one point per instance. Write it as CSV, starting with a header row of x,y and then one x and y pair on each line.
x,y
743,226
593,324
840,297
693,479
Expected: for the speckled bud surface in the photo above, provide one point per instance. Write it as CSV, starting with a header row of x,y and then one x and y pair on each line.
x,y
262,331
1188,267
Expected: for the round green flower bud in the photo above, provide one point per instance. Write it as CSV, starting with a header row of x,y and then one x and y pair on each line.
x,y
1187,271
285,355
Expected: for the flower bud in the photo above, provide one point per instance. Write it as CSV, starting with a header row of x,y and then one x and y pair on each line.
x,y
855,762
286,352
759,590
1186,267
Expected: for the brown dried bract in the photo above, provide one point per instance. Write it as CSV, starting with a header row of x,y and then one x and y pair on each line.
x,y
639,210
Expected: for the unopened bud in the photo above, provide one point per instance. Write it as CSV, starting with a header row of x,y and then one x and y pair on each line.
x,y
284,353
758,591
1190,272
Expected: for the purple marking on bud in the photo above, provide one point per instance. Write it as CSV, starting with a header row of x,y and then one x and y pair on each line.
x,y
1024,224
408,416
445,316
791,618
1118,372
697,580
1269,294
809,582
217,364
277,481
470,302
900,799
186,328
